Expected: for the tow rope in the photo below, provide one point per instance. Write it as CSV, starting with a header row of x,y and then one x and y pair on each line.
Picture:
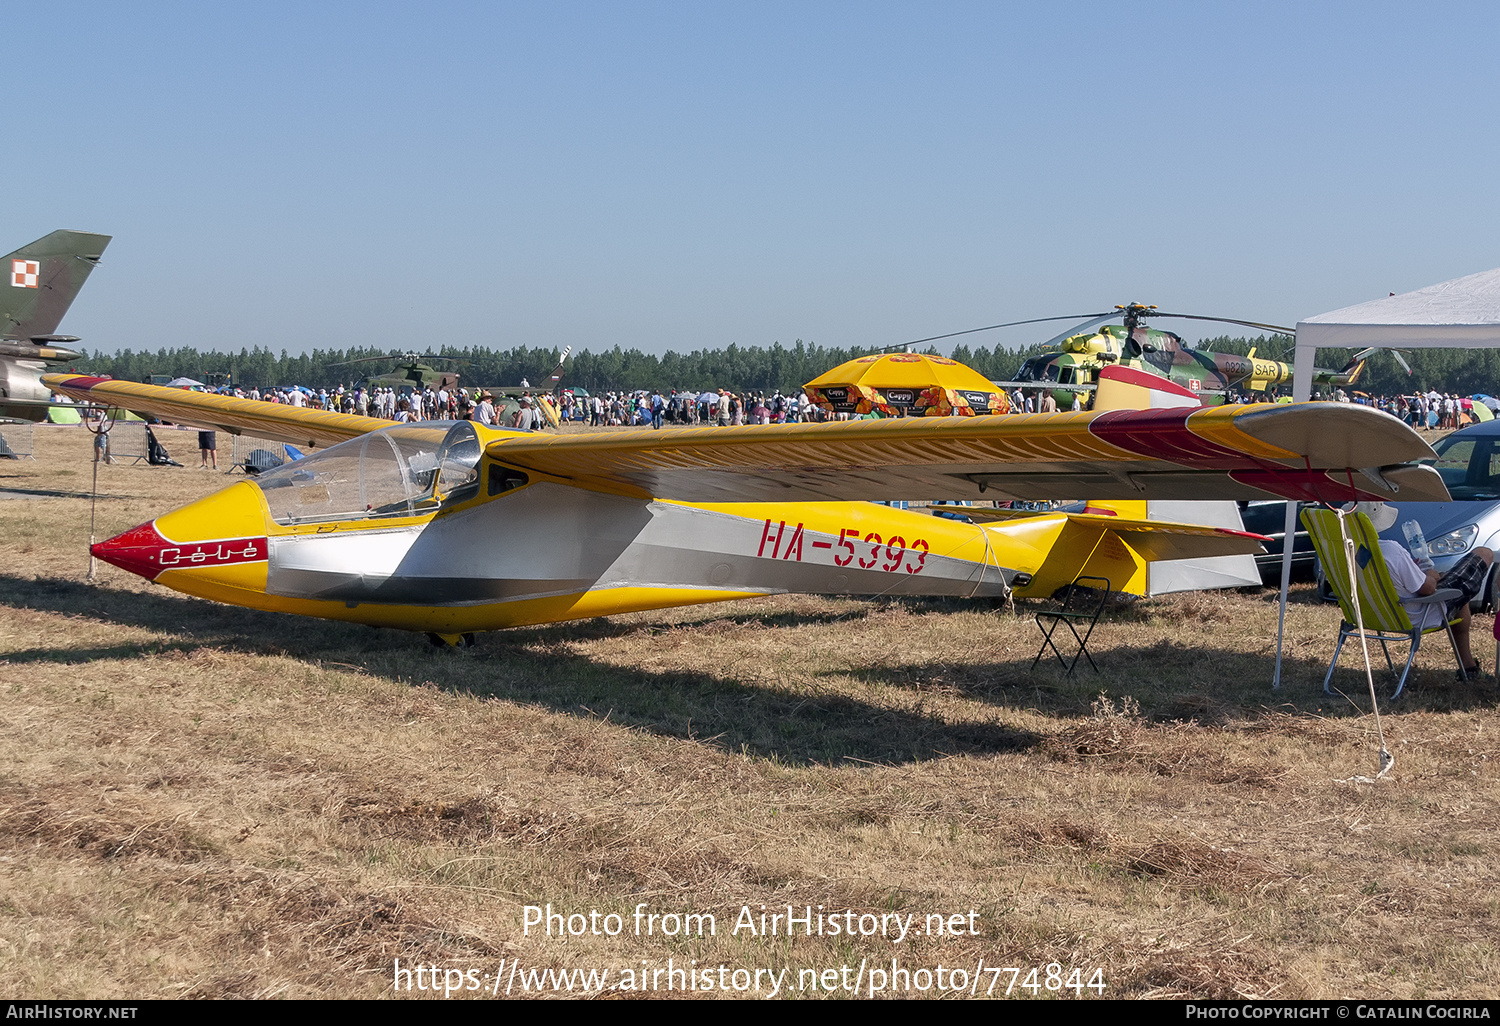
x,y
101,452
1387,760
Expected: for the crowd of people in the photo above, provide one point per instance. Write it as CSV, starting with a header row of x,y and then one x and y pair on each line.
x,y
721,407
640,408
404,405
1433,410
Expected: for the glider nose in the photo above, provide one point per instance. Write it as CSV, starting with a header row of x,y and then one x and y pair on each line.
x,y
216,542
137,550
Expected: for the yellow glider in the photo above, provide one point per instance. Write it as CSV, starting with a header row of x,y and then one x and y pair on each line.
x,y
453,527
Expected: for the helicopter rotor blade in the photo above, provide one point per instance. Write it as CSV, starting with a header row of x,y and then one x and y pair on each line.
x,y
1087,321
1092,322
1365,354
406,358
1008,324
1279,329
363,359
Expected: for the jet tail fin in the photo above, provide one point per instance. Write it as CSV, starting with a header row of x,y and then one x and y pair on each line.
x,y
42,278
551,382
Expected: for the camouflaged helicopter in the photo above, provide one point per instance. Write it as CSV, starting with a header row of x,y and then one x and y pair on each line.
x,y
1078,355
411,371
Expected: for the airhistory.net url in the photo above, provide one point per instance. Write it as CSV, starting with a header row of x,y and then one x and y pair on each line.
x,y
511,978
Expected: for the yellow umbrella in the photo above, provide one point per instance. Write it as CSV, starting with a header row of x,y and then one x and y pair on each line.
x,y
905,384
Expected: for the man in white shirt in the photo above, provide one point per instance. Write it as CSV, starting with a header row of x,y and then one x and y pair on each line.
x,y
485,411
1467,576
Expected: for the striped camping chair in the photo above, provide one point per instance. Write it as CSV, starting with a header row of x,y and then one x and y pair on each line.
x,y
1384,617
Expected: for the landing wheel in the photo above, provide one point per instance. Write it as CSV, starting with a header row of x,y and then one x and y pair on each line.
x,y
465,640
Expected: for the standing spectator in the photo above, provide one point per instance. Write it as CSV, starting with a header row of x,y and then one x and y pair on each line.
x,y
485,411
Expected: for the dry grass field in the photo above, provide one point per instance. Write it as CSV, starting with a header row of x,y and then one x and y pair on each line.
x,y
199,801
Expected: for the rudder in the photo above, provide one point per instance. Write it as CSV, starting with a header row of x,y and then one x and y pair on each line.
x,y
42,279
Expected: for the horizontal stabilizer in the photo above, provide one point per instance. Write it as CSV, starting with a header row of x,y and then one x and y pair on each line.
x,y
1161,539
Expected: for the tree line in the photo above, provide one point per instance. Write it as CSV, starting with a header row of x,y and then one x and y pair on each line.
x,y
737,368
748,368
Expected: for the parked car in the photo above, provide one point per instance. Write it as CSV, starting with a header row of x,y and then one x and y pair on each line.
x,y
1469,463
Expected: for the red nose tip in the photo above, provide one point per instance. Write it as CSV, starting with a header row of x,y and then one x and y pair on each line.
x,y
146,551
137,550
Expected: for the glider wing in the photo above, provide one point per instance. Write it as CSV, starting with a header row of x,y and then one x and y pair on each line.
x,y
291,424
1312,451
1329,452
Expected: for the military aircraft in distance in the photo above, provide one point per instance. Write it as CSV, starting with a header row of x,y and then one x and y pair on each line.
x,y
507,398
41,281
452,527
410,372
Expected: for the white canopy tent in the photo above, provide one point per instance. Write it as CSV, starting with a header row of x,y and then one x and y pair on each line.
x,y
1464,312
1457,314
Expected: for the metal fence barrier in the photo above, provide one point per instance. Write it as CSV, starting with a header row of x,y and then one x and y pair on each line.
x,y
18,441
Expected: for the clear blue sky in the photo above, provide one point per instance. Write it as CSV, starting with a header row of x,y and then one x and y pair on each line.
x,y
689,175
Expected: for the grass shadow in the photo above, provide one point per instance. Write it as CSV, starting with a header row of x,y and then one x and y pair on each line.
x,y
1173,682
536,666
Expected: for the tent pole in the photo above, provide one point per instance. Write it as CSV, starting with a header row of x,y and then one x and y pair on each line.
x,y
1288,539
1302,375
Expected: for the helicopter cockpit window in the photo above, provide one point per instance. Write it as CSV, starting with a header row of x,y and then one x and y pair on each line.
x,y
402,471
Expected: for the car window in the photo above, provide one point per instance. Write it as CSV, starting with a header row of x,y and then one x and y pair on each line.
x,y
1470,467
1453,462
1484,477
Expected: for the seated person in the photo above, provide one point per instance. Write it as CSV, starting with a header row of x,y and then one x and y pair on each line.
x,y
1467,576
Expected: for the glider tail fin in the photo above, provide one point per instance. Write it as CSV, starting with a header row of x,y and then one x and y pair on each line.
x,y
42,278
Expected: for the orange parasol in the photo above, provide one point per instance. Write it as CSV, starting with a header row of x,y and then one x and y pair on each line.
x,y
906,385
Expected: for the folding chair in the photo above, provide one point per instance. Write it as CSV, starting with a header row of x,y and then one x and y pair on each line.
x,y
1385,618
1071,618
